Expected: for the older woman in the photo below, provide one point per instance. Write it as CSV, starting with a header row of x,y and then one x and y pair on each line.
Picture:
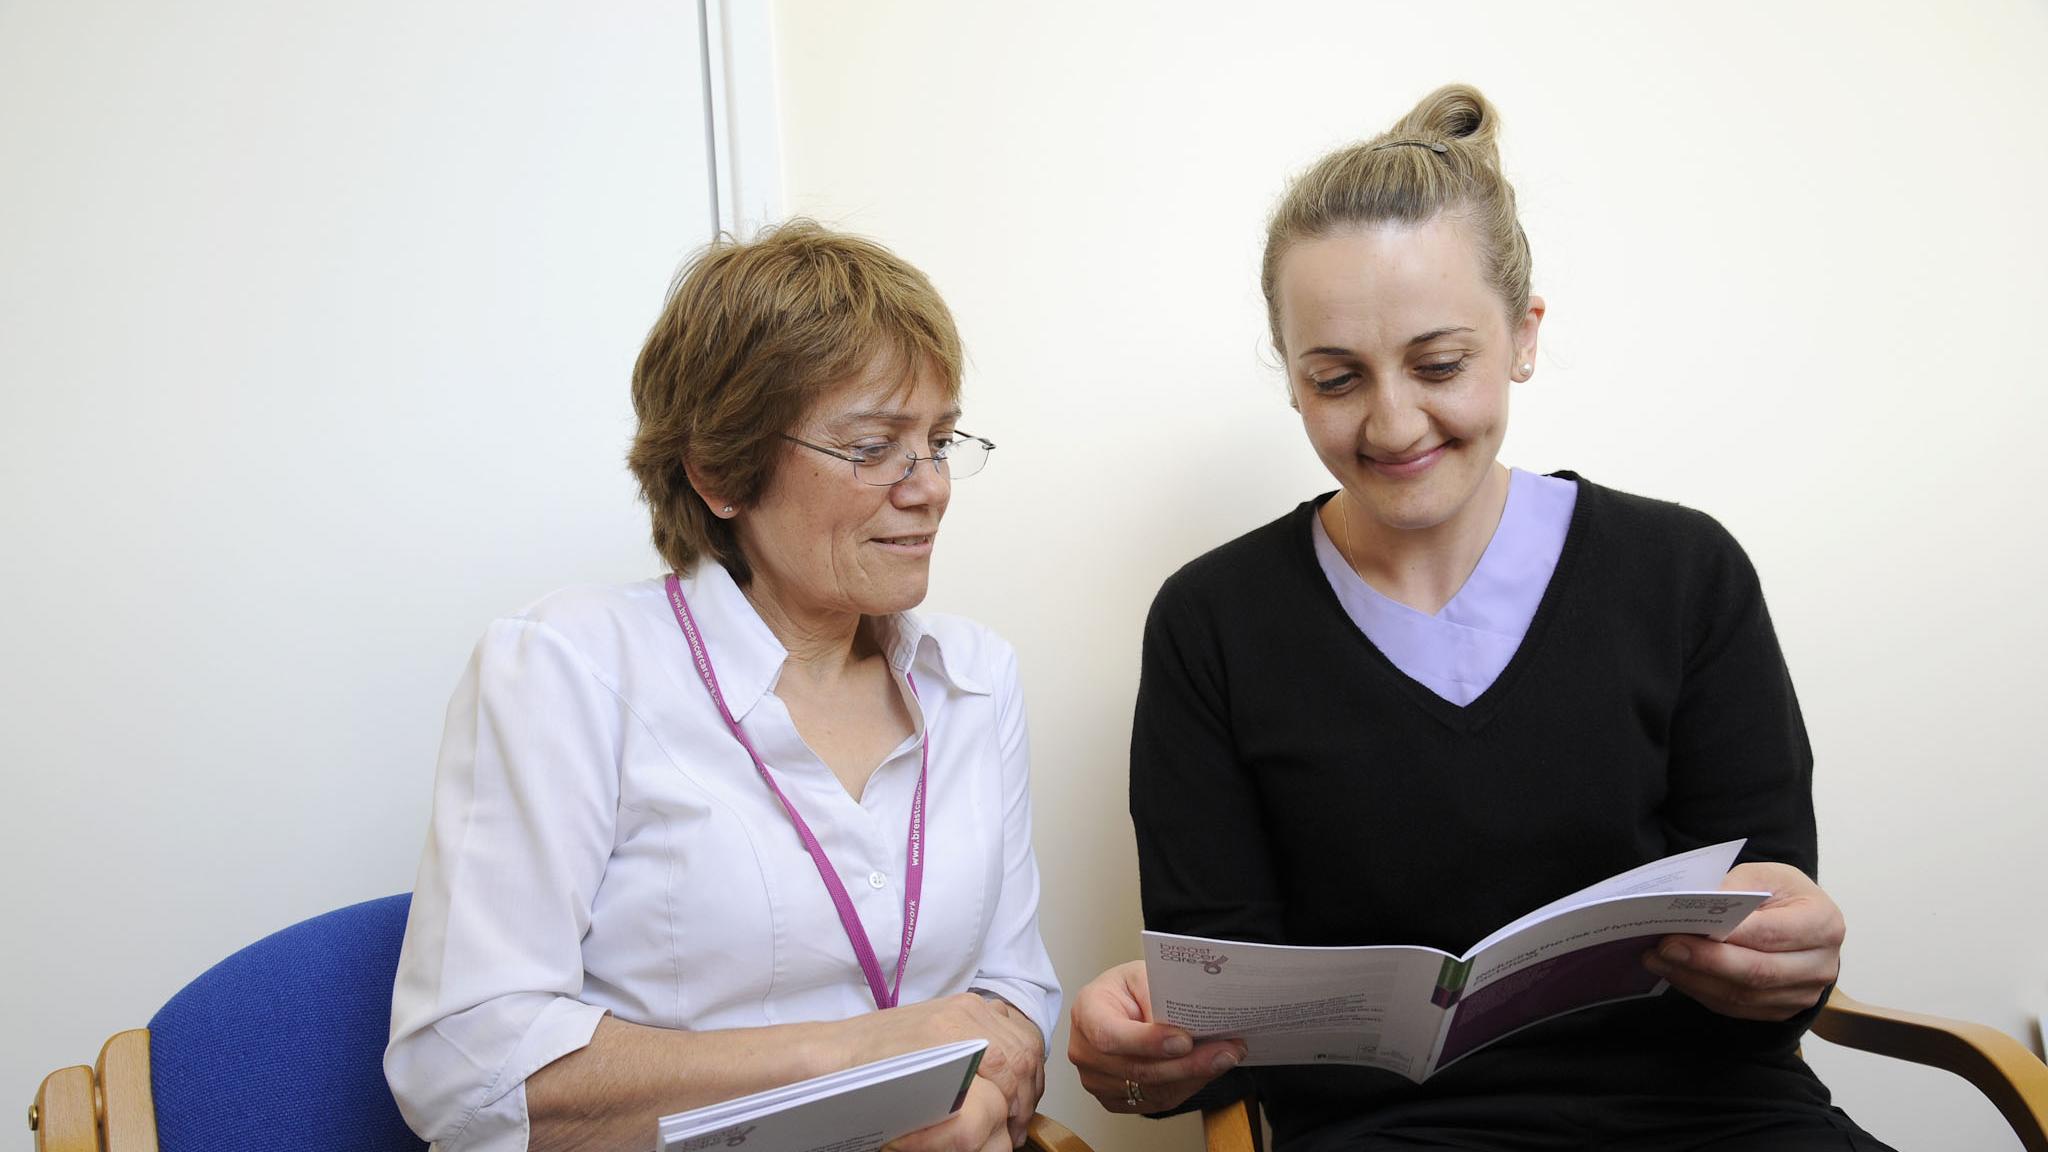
x,y
753,821
1411,710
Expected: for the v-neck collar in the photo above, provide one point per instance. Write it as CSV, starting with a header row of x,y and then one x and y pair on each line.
x,y
1465,718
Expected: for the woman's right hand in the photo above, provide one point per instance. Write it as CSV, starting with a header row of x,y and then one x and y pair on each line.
x,y
1128,1062
1014,1063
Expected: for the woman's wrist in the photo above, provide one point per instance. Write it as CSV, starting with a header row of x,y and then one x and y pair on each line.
x,y
833,1046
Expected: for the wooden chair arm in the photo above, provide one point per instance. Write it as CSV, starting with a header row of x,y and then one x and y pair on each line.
x,y
2009,1075
1233,1127
127,1107
62,1116
104,1108
1049,1135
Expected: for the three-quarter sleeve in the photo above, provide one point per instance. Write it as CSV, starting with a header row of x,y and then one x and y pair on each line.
x,y
525,806
1741,764
1014,963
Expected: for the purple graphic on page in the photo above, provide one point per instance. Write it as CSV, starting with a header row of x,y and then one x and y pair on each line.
x,y
1612,970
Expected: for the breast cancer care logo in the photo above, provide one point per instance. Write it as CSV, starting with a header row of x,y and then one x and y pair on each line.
x,y
1711,905
732,1137
1211,960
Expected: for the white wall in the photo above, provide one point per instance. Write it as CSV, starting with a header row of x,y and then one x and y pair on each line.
x,y
315,324
1794,259
315,330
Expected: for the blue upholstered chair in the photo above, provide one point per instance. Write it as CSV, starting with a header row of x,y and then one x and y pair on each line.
x,y
280,1045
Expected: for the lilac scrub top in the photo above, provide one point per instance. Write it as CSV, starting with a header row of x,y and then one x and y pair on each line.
x,y
1458,652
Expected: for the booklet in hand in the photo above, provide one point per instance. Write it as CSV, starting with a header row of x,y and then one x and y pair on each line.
x,y
1413,1010
857,1110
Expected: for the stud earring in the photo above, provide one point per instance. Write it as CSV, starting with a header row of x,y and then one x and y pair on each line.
x,y
726,511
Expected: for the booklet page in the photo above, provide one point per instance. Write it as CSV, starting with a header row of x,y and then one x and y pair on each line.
x,y
1369,1005
1588,955
1699,870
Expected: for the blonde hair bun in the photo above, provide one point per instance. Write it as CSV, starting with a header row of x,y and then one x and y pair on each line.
x,y
1454,112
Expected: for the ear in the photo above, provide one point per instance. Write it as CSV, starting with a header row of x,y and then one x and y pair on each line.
x,y
713,499
1525,339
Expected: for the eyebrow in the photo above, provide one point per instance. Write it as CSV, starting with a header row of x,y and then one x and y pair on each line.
x,y
1426,337
890,416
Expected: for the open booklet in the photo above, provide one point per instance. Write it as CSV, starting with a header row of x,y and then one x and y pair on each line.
x,y
857,1110
1413,1010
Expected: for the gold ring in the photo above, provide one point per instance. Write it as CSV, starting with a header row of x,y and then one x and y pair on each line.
x,y
1133,1095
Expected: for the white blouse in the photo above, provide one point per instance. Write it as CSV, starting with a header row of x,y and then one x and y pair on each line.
x,y
600,842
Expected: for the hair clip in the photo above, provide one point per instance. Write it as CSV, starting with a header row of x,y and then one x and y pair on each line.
x,y
1432,145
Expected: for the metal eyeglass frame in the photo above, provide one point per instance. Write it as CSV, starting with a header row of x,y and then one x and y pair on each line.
x,y
910,461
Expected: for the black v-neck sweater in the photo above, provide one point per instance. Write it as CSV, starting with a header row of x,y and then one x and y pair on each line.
x,y
1289,784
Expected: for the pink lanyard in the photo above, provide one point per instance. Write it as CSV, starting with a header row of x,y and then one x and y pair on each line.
x,y
913,881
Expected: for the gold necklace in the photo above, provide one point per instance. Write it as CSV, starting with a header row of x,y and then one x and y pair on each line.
x,y
1344,526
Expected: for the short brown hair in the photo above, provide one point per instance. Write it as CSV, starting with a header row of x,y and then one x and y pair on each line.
x,y
1441,157
752,334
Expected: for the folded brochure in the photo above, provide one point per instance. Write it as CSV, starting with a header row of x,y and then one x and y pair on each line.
x,y
856,1110
1413,1010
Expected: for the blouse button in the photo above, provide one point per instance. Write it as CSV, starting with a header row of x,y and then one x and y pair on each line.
x,y
877,880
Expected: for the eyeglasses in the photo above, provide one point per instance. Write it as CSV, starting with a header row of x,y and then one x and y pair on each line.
x,y
885,465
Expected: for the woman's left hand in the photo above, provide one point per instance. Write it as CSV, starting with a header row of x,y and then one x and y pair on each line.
x,y
980,1125
1776,964
1014,1062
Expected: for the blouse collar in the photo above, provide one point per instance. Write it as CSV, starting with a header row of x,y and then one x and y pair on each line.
x,y
749,658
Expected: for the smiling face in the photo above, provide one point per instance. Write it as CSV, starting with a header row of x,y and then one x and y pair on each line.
x,y
1399,355
826,546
